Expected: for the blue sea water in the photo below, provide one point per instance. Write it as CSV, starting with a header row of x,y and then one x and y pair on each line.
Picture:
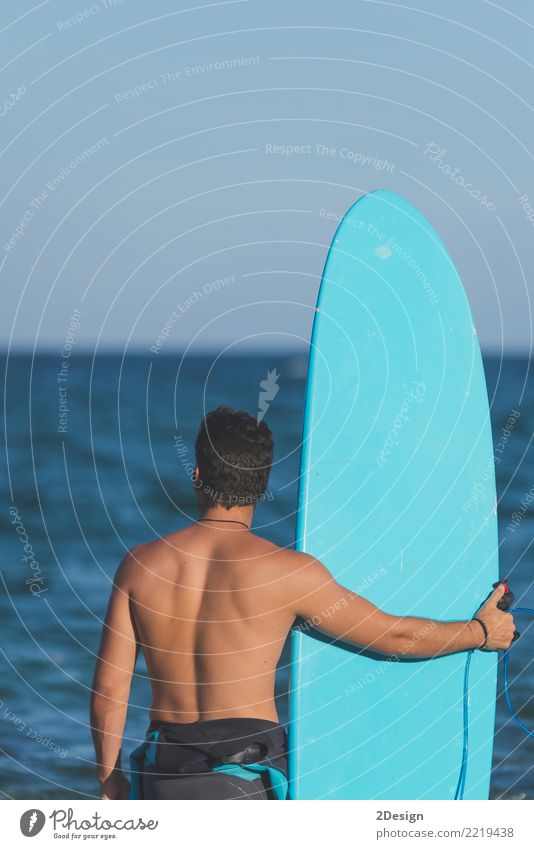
x,y
90,480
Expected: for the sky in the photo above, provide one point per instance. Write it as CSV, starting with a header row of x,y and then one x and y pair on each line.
x,y
172,172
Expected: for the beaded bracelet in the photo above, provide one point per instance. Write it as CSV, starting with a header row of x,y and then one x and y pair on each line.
x,y
486,635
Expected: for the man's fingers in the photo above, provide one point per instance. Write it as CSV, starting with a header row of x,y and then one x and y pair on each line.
x,y
497,593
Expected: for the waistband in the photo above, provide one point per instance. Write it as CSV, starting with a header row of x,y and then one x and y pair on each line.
x,y
188,748
215,731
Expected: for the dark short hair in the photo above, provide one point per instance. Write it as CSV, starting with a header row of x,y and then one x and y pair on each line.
x,y
234,455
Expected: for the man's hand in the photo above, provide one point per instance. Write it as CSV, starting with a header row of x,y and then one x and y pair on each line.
x,y
500,625
116,786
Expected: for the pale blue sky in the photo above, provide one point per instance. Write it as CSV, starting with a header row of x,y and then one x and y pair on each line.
x,y
128,204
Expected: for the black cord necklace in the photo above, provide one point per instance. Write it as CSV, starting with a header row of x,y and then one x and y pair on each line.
x,y
232,521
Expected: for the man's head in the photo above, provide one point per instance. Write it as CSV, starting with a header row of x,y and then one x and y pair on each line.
x,y
234,455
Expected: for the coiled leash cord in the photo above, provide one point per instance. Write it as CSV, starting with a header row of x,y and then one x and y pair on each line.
x,y
505,676
504,604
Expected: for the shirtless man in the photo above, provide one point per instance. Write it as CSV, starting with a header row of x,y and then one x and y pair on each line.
x,y
210,607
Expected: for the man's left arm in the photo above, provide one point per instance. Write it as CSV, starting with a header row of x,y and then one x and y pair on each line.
x,y
111,685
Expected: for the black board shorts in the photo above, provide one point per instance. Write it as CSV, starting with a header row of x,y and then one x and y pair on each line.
x,y
184,755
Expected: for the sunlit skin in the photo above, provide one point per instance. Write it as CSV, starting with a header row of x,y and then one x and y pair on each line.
x,y
210,607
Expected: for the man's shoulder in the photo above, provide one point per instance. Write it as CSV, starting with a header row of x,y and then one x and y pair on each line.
x,y
288,576
137,558
288,560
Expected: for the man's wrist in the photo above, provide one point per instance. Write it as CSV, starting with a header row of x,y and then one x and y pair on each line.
x,y
104,776
480,633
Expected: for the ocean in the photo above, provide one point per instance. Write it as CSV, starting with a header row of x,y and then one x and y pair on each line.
x,y
93,467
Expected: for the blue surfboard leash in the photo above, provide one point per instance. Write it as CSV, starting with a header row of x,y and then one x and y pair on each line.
x,y
506,601
505,677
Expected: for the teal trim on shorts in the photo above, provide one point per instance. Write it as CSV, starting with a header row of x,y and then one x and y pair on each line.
x,y
250,772
144,755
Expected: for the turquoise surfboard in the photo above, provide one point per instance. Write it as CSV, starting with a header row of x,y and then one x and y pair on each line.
x,y
397,498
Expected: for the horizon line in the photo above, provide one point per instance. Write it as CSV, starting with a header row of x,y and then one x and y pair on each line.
x,y
513,351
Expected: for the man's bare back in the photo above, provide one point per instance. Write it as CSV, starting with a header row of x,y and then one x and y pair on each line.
x,y
210,608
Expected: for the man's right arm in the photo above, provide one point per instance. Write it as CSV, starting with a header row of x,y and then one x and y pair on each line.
x,y
338,612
